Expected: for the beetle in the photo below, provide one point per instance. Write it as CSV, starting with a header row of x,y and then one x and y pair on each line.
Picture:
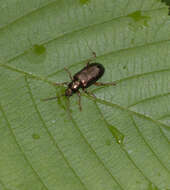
x,y
84,78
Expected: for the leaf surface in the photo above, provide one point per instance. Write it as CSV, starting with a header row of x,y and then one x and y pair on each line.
x,y
121,139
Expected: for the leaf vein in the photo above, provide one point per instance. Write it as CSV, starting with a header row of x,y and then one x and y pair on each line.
x,y
148,99
27,14
159,160
79,30
112,52
84,138
20,148
107,103
124,150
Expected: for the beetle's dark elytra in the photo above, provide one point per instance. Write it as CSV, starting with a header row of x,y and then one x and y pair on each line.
x,y
85,78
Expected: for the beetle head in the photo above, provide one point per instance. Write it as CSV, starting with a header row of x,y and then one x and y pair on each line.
x,y
68,92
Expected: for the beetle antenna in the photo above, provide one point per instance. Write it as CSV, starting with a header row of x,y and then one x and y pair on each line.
x,y
52,98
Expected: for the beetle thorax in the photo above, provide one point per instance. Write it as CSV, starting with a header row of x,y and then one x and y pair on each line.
x,y
75,85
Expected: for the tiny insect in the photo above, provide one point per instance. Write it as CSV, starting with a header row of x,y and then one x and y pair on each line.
x,y
86,77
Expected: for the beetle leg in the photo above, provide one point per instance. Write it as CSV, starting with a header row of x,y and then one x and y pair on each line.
x,y
79,102
104,84
68,73
91,59
94,54
89,93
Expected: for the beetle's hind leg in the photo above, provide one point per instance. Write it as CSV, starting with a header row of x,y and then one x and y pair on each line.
x,y
105,84
89,93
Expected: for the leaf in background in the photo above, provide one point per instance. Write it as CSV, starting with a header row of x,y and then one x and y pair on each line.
x,y
44,146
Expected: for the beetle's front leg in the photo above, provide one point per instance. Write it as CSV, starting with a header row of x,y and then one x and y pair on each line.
x,y
104,84
68,73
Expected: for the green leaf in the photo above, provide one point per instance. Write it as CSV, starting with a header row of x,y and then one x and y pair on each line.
x,y
121,139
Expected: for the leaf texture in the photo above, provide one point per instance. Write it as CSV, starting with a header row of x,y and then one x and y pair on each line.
x,y
121,139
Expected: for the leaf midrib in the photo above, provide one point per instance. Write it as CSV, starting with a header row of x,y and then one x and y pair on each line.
x,y
117,81
97,99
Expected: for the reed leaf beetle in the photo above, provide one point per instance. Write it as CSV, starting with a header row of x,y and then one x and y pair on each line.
x,y
84,78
